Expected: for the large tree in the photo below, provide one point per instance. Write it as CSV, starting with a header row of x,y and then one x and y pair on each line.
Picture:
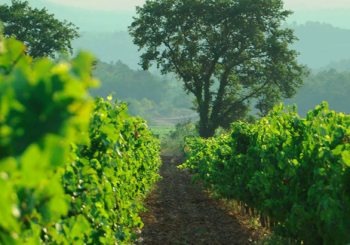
x,y
43,35
227,52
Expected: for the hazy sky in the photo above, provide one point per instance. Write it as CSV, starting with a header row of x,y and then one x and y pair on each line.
x,y
334,12
130,4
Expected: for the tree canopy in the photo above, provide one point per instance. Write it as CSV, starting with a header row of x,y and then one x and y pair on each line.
x,y
43,35
226,53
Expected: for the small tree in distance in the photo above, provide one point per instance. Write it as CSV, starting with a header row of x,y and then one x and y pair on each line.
x,y
43,35
226,52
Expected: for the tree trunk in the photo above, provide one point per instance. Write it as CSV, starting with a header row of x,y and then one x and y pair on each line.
x,y
206,125
247,210
262,220
242,207
205,129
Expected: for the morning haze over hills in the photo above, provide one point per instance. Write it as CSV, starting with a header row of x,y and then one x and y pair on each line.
x,y
324,43
324,33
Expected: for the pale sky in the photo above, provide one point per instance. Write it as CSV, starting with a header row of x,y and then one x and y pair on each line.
x,y
130,4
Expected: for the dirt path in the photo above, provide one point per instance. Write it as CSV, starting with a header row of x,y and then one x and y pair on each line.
x,y
181,214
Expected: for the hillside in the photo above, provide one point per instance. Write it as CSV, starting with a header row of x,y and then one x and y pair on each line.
x,y
319,44
342,65
150,96
105,33
330,85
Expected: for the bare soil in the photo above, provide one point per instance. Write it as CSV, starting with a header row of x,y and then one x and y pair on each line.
x,y
178,213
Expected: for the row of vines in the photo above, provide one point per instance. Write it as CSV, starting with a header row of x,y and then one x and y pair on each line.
x,y
294,171
72,170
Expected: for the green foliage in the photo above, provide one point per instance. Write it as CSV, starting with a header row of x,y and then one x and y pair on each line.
x,y
276,240
295,171
161,131
71,171
44,108
225,52
174,141
43,35
113,174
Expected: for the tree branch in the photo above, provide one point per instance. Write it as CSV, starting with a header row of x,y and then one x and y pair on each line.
x,y
187,85
220,94
245,98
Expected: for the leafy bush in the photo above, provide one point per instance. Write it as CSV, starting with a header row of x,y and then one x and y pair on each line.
x,y
72,171
295,171
174,141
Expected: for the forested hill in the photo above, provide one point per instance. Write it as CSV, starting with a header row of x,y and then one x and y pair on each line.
x,y
108,39
150,96
128,83
319,44
329,85
342,65
110,46
153,97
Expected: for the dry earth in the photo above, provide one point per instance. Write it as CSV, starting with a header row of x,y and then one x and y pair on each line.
x,y
178,213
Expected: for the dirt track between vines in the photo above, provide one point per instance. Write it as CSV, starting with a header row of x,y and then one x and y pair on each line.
x,y
178,213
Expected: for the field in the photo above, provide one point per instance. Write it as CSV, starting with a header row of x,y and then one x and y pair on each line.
x,y
161,131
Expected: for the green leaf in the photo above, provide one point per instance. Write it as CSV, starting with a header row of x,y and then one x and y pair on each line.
x,y
338,150
81,226
32,159
323,131
346,157
88,171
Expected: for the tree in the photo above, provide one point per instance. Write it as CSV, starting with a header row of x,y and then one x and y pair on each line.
x,y
227,52
43,35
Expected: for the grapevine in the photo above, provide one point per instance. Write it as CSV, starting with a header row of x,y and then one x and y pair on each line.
x,y
72,170
295,171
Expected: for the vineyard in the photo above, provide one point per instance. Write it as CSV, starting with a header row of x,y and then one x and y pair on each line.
x,y
293,172
78,170
72,170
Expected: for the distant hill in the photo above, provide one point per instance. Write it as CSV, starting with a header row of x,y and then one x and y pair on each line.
x,y
150,96
110,47
322,47
105,33
331,86
320,43
110,21
335,17
342,65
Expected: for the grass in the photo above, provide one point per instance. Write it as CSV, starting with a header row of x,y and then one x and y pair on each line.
x,y
167,144
173,138
161,131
